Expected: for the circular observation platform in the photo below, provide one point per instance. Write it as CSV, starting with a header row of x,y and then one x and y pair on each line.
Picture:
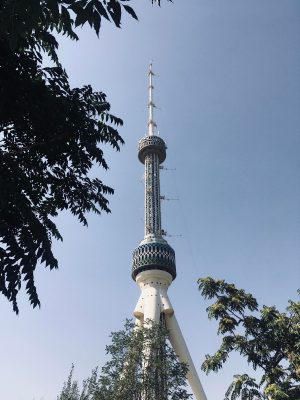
x,y
150,256
152,144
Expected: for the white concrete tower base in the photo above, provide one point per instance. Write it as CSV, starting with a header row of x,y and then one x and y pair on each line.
x,y
153,301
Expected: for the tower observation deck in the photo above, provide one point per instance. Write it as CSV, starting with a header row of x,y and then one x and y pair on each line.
x,y
153,266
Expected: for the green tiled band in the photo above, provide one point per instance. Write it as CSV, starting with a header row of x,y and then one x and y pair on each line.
x,y
154,256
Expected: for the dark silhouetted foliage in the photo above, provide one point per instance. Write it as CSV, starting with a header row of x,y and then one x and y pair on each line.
x,y
50,134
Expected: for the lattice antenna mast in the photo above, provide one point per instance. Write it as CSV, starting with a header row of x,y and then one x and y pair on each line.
x,y
151,105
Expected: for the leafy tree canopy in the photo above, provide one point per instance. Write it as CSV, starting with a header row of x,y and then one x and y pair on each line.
x,y
50,134
142,366
268,339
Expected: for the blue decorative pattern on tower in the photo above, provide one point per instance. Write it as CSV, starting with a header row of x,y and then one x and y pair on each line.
x,y
153,252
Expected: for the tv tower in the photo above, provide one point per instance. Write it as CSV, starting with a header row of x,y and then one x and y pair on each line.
x,y
153,266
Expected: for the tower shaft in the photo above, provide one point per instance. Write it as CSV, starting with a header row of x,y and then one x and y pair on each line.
x,y
152,196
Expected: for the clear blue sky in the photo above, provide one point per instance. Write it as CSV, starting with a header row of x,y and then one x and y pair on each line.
x,y
228,96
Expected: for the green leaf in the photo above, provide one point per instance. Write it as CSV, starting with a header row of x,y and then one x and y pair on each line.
x,y
54,8
81,18
97,22
130,11
114,9
101,9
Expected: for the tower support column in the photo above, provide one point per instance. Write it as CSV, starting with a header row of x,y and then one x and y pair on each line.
x,y
182,352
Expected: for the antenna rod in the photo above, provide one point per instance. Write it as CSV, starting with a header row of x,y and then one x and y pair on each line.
x,y
151,105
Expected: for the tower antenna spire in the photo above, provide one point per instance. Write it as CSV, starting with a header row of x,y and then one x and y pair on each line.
x,y
151,105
